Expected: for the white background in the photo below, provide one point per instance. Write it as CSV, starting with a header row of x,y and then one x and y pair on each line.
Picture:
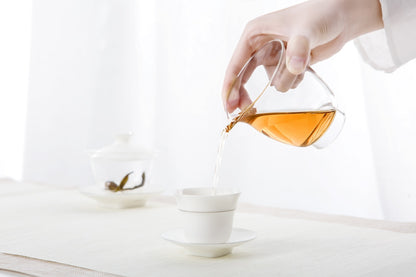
x,y
75,73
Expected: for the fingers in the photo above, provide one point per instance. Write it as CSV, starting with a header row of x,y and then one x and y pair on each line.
x,y
245,100
284,79
297,58
241,55
297,81
297,54
327,50
239,98
249,42
232,98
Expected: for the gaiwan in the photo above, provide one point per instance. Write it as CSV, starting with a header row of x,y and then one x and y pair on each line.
x,y
122,166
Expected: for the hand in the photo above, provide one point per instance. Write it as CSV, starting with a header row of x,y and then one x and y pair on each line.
x,y
313,31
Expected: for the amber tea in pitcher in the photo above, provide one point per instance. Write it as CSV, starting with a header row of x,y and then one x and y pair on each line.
x,y
303,116
294,128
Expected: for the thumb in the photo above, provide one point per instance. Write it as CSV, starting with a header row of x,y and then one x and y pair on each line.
x,y
297,54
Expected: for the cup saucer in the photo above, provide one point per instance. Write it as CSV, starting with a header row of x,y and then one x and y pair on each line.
x,y
210,250
120,199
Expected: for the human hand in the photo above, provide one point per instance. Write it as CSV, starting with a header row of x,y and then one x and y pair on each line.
x,y
313,31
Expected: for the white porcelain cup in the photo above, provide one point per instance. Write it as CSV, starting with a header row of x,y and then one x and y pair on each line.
x,y
208,216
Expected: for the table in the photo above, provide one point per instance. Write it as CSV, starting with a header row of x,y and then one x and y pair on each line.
x,y
62,225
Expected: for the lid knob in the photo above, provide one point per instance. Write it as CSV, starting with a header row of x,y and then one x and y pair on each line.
x,y
123,138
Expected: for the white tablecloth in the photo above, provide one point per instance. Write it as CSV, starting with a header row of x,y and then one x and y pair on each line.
x,y
64,226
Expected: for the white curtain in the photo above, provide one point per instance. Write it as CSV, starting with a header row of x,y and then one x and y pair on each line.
x,y
391,110
101,67
15,29
91,76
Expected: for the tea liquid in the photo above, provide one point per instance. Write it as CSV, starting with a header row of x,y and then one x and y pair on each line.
x,y
224,136
294,128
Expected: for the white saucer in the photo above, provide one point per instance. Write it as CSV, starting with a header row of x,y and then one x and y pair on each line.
x,y
120,199
238,237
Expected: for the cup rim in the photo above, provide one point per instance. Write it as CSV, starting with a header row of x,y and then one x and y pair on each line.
x,y
207,212
200,199
229,192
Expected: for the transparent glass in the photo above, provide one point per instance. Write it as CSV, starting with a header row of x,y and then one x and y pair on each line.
x,y
296,110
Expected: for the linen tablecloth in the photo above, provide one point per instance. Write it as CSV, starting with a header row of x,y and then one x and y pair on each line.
x,y
64,226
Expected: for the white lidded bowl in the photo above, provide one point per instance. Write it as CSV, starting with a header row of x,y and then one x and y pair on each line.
x,y
113,162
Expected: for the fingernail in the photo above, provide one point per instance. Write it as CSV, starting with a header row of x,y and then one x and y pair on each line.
x,y
296,64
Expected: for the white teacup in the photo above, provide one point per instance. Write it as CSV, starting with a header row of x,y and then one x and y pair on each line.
x,y
208,215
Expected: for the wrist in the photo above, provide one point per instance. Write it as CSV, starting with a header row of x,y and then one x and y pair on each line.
x,y
361,16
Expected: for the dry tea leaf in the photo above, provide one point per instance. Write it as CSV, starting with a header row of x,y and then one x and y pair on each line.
x,y
124,181
110,185
141,184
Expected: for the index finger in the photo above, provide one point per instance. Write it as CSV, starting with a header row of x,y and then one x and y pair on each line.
x,y
247,45
245,50
242,53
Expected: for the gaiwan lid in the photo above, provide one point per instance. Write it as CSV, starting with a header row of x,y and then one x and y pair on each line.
x,y
123,148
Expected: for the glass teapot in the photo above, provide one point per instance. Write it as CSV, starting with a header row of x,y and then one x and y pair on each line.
x,y
304,115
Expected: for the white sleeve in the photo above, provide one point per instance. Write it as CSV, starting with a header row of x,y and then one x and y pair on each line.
x,y
393,46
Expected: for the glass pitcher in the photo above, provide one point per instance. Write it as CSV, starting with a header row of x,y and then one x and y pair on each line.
x,y
304,115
